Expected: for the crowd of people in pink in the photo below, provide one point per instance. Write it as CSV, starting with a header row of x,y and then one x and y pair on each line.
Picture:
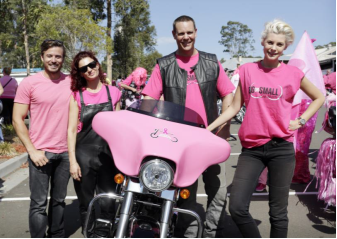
x,y
282,103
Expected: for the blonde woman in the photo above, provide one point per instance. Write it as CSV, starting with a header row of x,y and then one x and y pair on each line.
x,y
267,88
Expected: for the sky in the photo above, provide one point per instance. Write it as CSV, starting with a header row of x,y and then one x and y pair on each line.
x,y
317,17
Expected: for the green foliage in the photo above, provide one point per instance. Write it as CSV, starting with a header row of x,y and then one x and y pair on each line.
x,y
134,36
75,27
6,149
222,60
326,45
8,130
236,38
12,50
96,7
149,61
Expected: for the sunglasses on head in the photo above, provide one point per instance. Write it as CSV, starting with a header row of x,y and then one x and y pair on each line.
x,y
84,69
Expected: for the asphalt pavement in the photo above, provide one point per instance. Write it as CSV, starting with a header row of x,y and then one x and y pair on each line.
x,y
308,217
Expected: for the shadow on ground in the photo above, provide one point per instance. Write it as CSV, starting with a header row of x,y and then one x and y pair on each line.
x,y
323,217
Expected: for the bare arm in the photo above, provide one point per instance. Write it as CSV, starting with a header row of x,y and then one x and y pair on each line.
x,y
75,170
19,114
1,90
127,87
317,101
231,110
225,128
118,106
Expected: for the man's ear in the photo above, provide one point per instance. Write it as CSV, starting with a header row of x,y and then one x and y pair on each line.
x,y
174,34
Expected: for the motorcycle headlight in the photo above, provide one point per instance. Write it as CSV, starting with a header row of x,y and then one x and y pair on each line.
x,y
156,175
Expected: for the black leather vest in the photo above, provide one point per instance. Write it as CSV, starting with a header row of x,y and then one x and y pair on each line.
x,y
175,81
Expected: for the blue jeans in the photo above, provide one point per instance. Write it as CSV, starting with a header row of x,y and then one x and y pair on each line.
x,y
56,171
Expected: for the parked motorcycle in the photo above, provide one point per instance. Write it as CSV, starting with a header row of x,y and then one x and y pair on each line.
x,y
170,150
129,97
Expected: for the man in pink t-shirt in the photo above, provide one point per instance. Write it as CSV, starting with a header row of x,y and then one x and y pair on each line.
x,y
46,95
193,78
10,85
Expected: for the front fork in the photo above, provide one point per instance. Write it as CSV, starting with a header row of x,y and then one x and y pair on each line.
x,y
127,205
127,209
125,214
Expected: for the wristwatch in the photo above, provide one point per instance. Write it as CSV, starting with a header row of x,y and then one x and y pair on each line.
x,y
301,121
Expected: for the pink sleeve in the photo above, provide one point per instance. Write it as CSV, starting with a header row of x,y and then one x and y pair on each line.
x,y
224,85
115,95
127,81
76,96
154,87
23,94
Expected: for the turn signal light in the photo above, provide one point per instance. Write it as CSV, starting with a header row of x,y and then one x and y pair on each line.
x,y
119,178
184,194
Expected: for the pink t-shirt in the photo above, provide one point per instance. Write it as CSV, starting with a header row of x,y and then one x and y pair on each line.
x,y
10,89
49,110
268,95
99,97
127,81
194,101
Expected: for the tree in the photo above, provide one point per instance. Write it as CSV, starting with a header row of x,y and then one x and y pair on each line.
x,y
149,61
134,35
75,28
222,60
236,38
97,9
326,45
18,23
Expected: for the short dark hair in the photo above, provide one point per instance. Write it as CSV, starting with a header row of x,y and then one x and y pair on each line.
x,y
183,18
7,70
49,43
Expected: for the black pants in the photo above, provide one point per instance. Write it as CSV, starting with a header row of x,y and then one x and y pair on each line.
x,y
98,171
55,173
279,157
7,111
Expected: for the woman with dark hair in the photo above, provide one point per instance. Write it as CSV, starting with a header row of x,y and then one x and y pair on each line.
x,y
91,162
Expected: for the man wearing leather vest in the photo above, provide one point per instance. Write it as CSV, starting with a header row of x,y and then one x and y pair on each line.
x,y
194,78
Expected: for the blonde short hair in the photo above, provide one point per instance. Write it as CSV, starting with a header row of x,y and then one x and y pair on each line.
x,y
279,27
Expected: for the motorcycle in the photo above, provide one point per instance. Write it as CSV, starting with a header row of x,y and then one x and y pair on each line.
x,y
129,97
169,152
